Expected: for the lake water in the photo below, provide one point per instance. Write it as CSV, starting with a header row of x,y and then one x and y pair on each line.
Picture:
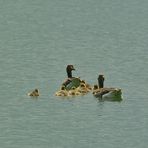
x,y
38,39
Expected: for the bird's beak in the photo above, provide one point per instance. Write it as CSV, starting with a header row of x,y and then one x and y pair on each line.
x,y
72,68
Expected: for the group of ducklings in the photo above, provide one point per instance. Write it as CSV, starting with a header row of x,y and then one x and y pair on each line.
x,y
83,89
73,86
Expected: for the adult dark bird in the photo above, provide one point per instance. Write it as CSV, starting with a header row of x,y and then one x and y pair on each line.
x,y
101,81
69,70
106,93
71,81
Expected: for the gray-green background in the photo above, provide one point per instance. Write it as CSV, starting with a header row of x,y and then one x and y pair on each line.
x,y
38,38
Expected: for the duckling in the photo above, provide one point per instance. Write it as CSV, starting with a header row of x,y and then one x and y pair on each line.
x,y
88,86
82,89
34,93
95,89
83,81
72,92
62,92
77,93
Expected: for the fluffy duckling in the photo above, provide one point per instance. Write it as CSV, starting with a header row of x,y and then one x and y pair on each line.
x,y
83,81
77,93
95,89
72,92
62,92
88,86
34,93
82,89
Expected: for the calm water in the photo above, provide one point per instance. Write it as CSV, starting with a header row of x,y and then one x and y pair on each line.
x,y
39,38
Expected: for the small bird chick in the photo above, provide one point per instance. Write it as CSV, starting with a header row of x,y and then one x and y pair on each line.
x,y
62,92
95,87
34,93
72,92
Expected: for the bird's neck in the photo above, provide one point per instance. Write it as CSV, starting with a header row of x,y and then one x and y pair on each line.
x,y
69,74
101,83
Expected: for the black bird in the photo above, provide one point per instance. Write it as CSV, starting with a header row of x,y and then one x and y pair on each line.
x,y
70,78
106,93
69,70
101,81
